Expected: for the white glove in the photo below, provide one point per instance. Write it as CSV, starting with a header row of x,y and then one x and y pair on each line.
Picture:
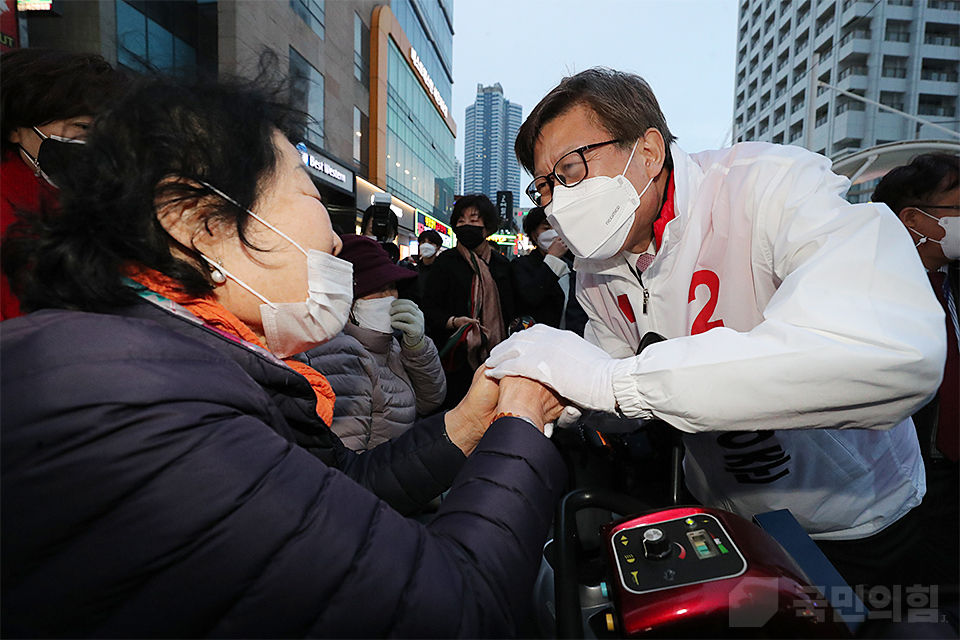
x,y
406,316
562,360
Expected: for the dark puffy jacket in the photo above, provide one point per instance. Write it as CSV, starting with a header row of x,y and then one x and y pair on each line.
x,y
153,486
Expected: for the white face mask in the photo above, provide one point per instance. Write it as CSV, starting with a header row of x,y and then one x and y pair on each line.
x,y
545,239
594,217
427,250
374,313
950,243
295,327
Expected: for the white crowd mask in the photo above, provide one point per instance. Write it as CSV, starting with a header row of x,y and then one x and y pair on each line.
x,y
545,239
950,243
374,313
294,327
427,250
594,217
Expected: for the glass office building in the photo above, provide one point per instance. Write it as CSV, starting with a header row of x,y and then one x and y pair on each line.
x,y
420,147
415,159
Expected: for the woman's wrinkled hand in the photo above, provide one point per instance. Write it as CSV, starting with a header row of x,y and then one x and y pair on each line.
x,y
529,399
468,421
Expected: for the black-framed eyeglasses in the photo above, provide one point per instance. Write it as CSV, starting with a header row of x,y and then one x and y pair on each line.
x,y
570,170
955,207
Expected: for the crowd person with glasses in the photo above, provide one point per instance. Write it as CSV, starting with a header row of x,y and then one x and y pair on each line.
x,y
546,282
925,195
801,333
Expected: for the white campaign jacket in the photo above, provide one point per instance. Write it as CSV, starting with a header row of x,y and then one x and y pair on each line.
x,y
804,333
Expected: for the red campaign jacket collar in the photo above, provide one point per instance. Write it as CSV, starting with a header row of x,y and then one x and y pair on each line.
x,y
667,212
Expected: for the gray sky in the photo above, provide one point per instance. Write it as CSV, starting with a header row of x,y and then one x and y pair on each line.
x,y
685,49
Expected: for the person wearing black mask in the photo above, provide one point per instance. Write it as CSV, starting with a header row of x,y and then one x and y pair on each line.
x,y
469,295
49,100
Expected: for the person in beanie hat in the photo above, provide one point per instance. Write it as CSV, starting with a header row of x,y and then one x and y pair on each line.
x,y
382,367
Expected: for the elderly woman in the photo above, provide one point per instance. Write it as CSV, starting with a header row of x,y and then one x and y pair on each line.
x,y
381,382
168,469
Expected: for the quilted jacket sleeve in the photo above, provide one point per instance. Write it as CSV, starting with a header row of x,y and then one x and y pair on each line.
x,y
426,375
172,508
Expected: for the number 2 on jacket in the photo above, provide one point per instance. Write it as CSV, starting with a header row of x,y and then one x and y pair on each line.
x,y
712,281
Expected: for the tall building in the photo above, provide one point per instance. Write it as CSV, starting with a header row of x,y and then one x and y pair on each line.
x,y
490,164
901,53
379,118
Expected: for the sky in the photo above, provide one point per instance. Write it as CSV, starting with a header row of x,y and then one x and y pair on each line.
x,y
685,49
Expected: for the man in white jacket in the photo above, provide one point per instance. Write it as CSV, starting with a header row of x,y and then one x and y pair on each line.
x,y
802,333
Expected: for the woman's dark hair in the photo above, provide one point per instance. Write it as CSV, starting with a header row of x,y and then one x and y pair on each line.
x,y
910,184
480,202
431,236
623,103
157,146
40,86
532,221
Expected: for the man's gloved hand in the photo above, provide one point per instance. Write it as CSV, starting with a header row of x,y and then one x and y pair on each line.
x,y
562,360
406,316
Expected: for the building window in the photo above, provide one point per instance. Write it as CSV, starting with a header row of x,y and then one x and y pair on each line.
x,y
892,99
822,116
941,34
361,145
935,105
361,49
894,67
949,5
312,12
143,45
939,70
306,94
897,31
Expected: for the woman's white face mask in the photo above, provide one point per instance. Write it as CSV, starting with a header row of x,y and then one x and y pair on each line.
x,y
373,313
295,327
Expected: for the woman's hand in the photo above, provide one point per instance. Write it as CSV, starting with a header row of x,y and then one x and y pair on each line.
x,y
468,421
529,399
455,322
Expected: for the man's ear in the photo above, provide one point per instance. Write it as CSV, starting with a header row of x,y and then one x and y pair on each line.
x,y
909,217
653,150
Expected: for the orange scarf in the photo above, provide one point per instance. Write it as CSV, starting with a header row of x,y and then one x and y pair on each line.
x,y
216,315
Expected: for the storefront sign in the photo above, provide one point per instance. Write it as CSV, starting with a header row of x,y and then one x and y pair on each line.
x,y
326,169
431,87
36,6
9,29
425,222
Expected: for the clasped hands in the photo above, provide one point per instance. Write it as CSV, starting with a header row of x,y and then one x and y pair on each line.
x,y
488,397
534,374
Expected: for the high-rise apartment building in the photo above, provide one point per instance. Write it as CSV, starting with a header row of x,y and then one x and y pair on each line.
x,y
901,53
380,120
490,164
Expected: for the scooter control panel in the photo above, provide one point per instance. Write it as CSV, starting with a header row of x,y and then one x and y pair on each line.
x,y
673,553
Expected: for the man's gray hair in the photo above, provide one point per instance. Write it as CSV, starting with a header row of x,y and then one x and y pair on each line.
x,y
624,105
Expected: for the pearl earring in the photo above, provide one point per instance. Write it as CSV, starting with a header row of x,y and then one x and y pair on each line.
x,y
217,276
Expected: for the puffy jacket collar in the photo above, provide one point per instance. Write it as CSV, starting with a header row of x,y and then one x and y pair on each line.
x,y
372,341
